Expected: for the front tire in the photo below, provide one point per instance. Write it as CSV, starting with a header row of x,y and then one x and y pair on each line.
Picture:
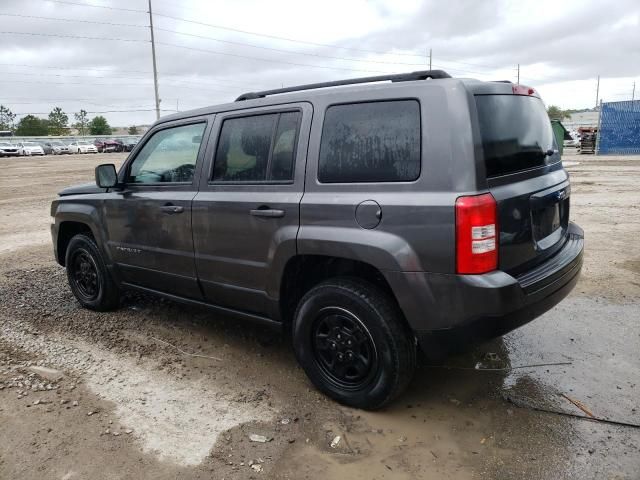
x,y
351,340
89,279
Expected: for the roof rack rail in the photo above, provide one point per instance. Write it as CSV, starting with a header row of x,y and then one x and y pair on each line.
x,y
399,77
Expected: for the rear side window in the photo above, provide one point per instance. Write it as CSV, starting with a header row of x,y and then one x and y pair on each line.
x,y
371,142
516,133
257,148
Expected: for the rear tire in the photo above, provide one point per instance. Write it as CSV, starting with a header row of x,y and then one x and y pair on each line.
x,y
89,279
351,340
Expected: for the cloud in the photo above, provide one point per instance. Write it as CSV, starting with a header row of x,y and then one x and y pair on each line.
x,y
556,45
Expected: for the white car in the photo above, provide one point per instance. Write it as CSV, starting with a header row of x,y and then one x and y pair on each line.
x,y
30,148
82,147
9,150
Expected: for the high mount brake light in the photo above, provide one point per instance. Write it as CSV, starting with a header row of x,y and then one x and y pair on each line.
x,y
522,90
476,234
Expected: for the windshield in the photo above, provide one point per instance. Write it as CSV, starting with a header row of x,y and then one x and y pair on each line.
x,y
84,143
30,144
516,133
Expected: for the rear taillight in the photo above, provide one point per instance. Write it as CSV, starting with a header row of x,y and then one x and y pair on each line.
x,y
522,90
476,234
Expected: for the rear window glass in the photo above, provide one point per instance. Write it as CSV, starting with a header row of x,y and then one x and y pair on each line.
x,y
371,142
516,133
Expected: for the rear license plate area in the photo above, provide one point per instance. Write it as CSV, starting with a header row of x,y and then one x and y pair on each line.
x,y
549,218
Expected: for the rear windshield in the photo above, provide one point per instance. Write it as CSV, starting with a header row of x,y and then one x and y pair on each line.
x,y
516,133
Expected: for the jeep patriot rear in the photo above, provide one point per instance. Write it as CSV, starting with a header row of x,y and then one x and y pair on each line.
x,y
365,216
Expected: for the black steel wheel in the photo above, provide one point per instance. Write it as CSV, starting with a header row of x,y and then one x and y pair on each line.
x,y
89,279
343,348
353,343
84,274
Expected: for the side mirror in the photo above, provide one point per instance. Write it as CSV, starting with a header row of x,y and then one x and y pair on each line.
x,y
106,176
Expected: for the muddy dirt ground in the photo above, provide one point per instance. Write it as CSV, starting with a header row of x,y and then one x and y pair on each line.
x,y
158,390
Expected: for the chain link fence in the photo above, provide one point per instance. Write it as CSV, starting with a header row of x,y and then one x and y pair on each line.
x,y
619,131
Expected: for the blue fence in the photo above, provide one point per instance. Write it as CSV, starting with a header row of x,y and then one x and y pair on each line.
x,y
619,131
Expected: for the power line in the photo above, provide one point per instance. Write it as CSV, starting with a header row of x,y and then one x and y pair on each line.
x,y
247,32
72,20
228,54
209,38
230,42
68,68
82,83
186,83
73,36
109,74
292,52
97,6
101,111
287,39
71,76
276,37
237,30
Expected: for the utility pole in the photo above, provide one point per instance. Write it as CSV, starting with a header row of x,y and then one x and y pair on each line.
x,y
518,74
430,58
177,108
155,70
598,91
633,92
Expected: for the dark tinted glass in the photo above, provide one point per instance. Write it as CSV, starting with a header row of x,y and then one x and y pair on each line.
x,y
516,133
284,147
243,149
371,142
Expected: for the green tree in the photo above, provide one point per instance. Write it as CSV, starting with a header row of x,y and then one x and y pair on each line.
x,y
133,130
32,125
7,117
58,122
82,122
556,113
99,126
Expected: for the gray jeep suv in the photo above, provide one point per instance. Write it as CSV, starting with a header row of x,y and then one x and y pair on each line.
x,y
365,216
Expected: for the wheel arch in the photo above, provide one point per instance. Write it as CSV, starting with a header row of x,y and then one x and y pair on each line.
x,y
302,272
70,220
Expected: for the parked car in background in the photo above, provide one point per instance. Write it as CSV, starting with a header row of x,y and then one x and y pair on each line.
x,y
30,148
80,146
129,143
46,148
56,147
109,145
8,150
99,144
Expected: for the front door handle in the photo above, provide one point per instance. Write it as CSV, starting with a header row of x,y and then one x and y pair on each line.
x,y
172,209
267,212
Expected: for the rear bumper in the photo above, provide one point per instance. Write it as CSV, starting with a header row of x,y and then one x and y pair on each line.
x,y
489,305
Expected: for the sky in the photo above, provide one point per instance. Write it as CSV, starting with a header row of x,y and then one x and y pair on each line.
x,y
96,54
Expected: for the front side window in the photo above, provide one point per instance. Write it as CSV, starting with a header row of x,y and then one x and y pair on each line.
x,y
169,156
258,148
371,142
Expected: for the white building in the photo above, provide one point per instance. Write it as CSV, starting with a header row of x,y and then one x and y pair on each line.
x,y
581,119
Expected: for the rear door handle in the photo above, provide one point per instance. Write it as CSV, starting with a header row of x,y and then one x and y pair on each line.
x,y
267,212
172,209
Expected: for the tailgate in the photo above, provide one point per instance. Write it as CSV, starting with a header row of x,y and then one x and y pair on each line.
x,y
533,221
531,189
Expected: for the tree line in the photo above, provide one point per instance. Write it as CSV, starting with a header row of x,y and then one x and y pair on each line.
x,y
556,113
56,124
